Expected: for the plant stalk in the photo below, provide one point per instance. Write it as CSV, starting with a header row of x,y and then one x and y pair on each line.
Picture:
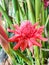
x,y
22,56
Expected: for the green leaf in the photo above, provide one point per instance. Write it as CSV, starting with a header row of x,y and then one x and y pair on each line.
x,y
31,14
22,56
37,9
16,10
9,21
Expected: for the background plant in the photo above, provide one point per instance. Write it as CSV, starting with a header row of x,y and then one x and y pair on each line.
x,y
14,11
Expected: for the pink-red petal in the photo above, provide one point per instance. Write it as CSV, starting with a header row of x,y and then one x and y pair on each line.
x,y
14,38
29,43
41,38
9,30
36,24
16,47
16,26
23,46
34,42
40,30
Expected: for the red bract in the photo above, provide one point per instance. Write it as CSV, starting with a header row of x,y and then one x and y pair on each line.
x,y
3,39
26,35
0,14
2,32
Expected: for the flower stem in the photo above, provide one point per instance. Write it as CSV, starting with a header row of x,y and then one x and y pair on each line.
x,y
36,54
30,57
43,21
37,13
42,14
37,9
22,56
13,60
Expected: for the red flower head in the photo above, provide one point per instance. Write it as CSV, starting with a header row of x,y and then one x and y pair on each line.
x,y
26,35
46,3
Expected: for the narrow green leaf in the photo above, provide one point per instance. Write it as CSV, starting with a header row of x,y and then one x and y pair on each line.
x,y
36,54
16,11
42,14
6,16
37,9
22,14
22,56
37,14
31,14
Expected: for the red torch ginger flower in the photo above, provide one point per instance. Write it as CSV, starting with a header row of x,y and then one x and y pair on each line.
x,y
26,35
46,3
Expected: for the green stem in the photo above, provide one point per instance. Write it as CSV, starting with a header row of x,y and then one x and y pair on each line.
x,y
46,14
42,14
13,60
37,13
47,21
30,57
42,58
36,54
42,22
37,9
22,56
